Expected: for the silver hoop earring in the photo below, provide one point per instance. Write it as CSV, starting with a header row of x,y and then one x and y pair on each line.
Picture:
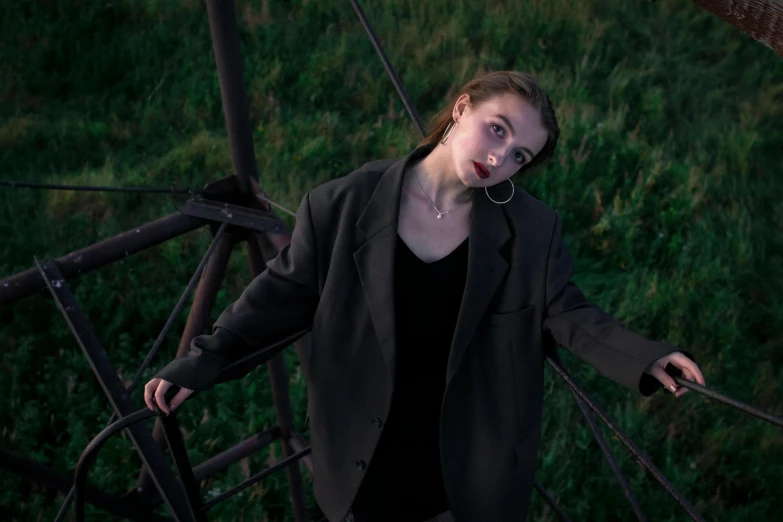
x,y
447,133
501,202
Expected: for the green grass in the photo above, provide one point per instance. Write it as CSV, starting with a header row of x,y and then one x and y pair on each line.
x,y
667,177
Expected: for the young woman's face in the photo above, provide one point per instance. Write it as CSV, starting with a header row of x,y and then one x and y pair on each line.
x,y
503,134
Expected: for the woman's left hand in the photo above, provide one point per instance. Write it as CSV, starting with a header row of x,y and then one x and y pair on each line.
x,y
689,370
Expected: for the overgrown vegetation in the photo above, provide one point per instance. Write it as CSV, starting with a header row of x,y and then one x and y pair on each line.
x,y
667,176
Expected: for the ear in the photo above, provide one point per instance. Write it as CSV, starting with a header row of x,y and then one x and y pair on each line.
x,y
459,108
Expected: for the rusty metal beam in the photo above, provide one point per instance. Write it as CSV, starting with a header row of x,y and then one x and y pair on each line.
x,y
236,111
549,499
257,220
236,453
299,443
289,463
197,323
618,472
762,20
115,391
228,58
179,454
554,361
280,395
117,247
100,254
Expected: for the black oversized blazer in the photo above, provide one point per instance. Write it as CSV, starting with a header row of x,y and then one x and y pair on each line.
x,y
337,277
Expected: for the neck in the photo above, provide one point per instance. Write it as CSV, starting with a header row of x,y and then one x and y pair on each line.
x,y
440,182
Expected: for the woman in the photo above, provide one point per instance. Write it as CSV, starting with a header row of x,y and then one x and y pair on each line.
x,y
433,288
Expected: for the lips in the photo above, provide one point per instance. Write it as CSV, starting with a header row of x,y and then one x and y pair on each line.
x,y
481,171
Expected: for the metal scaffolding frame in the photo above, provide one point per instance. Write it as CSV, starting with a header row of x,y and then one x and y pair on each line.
x,y
237,209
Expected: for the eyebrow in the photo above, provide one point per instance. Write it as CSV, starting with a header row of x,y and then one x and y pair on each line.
x,y
511,127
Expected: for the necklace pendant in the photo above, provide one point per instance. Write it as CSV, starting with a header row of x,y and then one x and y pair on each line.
x,y
439,215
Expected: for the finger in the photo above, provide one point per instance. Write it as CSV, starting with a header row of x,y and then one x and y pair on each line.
x,y
684,362
691,371
159,396
688,374
180,397
697,374
664,378
149,390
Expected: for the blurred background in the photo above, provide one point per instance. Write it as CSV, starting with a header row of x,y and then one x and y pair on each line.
x,y
667,176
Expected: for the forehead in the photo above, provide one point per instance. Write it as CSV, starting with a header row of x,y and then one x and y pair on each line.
x,y
512,106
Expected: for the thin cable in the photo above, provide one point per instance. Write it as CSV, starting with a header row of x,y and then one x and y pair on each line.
x,y
177,198
191,191
93,188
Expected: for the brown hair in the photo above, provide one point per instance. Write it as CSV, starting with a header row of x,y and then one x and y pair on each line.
x,y
498,83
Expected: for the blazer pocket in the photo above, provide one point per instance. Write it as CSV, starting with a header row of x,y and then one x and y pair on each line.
x,y
510,318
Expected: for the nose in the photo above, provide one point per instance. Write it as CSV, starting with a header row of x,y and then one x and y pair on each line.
x,y
496,159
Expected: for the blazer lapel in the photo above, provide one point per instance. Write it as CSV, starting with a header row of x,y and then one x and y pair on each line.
x,y
486,269
374,261
375,258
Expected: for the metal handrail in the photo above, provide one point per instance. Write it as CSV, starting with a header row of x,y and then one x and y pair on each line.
x,y
644,460
90,453
744,407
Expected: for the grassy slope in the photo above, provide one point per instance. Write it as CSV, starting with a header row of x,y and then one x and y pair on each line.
x,y
666,175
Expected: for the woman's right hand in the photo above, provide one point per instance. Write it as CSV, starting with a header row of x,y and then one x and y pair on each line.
x,y
157,388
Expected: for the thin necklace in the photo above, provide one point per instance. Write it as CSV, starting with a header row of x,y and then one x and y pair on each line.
x,y
433,204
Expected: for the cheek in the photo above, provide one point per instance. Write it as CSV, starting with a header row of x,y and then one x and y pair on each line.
x,y
470,143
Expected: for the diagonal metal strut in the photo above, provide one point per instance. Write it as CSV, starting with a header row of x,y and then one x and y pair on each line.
x,y
118,396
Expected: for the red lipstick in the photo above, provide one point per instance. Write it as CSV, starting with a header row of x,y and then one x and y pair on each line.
x,y
481,170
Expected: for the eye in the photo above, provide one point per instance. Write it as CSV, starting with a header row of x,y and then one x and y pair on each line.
x,y
521,158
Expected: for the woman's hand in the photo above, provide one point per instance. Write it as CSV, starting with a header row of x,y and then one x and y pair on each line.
x,y
158,388
689,370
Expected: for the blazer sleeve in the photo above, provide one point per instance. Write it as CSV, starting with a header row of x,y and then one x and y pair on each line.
x,y
280,301
590,333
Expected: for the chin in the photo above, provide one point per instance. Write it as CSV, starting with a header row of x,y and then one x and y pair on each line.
x,y
470,181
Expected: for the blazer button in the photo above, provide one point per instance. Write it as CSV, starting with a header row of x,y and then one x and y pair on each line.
x,y
348,517
360,464
376,422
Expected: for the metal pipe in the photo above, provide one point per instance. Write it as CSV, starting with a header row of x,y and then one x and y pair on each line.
x,y
233,455
288,463
228,58
549,499
115,391
100,254
90,453
388,66
180,455
298,443
762,20
640,456
601,440
712,394
177,309
197,322
280,395
217,242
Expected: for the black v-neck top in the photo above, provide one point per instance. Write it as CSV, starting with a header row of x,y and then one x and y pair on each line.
x,y
404,480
